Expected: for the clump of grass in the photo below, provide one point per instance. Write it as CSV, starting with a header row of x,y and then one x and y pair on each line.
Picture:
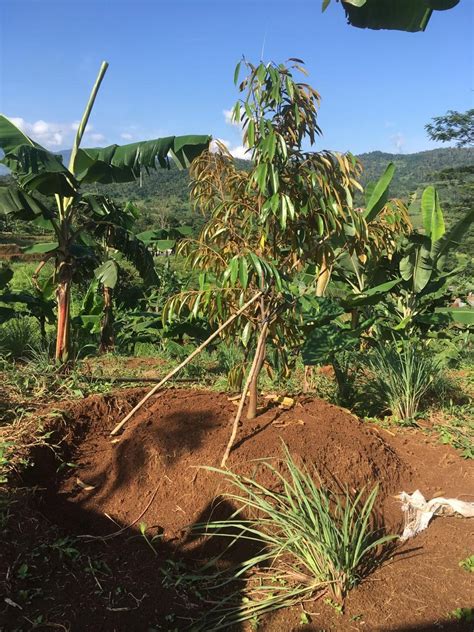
x,y
404,372
18,337
308,540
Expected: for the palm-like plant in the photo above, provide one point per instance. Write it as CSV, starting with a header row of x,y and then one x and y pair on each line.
x,y
67,210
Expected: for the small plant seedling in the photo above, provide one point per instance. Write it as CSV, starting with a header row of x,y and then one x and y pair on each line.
x,y
143,528
337,606
462,614
23,571
468,564
305,618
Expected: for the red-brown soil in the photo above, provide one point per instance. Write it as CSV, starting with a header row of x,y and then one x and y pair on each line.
x,y
156,462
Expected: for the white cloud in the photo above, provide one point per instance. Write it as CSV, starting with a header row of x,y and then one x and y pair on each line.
x,y
96,137
126,136
54,135
228,117
240,152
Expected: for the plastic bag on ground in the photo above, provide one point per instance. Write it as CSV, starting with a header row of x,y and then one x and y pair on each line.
x,y
418,511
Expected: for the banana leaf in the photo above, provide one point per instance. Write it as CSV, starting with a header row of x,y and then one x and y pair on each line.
x,y
22,205
123,163
34,167
400,15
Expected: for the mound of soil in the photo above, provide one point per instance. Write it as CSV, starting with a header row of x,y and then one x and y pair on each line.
x,y
153,474
164,445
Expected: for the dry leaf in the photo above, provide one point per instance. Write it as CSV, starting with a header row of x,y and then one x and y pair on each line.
x,y
84,486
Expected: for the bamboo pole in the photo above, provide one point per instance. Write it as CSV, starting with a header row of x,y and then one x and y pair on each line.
x,y
250,376
120,425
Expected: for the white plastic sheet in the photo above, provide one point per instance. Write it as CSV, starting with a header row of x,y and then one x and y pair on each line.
x,y
418,511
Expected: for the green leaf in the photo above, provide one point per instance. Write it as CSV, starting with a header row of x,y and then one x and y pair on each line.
x,y
453,237
433,221
22,205
246,333
107,273
35,167
423,268
251,133
41,248
379,193
243,272
234,269
123,163
236,73
462,315
409,15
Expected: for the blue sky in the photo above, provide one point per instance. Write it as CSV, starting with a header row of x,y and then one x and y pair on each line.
x,y
171,68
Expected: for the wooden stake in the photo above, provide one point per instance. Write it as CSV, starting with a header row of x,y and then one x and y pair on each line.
x,y
120,425
253,369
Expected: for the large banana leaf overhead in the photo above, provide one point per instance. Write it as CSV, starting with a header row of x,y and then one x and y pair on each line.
x,y
36,168
122,163
399,15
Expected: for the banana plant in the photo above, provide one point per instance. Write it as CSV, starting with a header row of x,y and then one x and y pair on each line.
x,y
46,191
423,263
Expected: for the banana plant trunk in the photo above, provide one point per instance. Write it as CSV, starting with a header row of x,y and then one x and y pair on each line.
x,y
107,339
63,297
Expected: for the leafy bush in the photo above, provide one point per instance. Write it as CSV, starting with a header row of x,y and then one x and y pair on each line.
x,y
308,539
403,373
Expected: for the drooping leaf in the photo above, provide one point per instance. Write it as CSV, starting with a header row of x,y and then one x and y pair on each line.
x,y
400,15
107,273
35,167
123,163
22,205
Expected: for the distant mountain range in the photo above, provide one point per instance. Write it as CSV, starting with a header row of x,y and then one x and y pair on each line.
x,y
412,171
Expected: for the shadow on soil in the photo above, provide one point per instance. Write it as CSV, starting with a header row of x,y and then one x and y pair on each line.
x,y
50,578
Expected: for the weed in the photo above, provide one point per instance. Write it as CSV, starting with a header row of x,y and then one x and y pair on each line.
x,y
404,373
457,429
311,538
143,528
462,614
468,564
335,605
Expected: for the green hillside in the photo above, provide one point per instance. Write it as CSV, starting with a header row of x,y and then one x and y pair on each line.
x,y
163,195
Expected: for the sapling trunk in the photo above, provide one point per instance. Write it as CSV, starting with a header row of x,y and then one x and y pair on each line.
x,y
253,387
261,342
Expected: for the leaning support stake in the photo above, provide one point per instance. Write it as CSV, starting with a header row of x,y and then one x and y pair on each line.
x,y
120,425
250,376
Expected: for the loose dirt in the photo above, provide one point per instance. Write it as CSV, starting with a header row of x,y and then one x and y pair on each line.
x,y
153,474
